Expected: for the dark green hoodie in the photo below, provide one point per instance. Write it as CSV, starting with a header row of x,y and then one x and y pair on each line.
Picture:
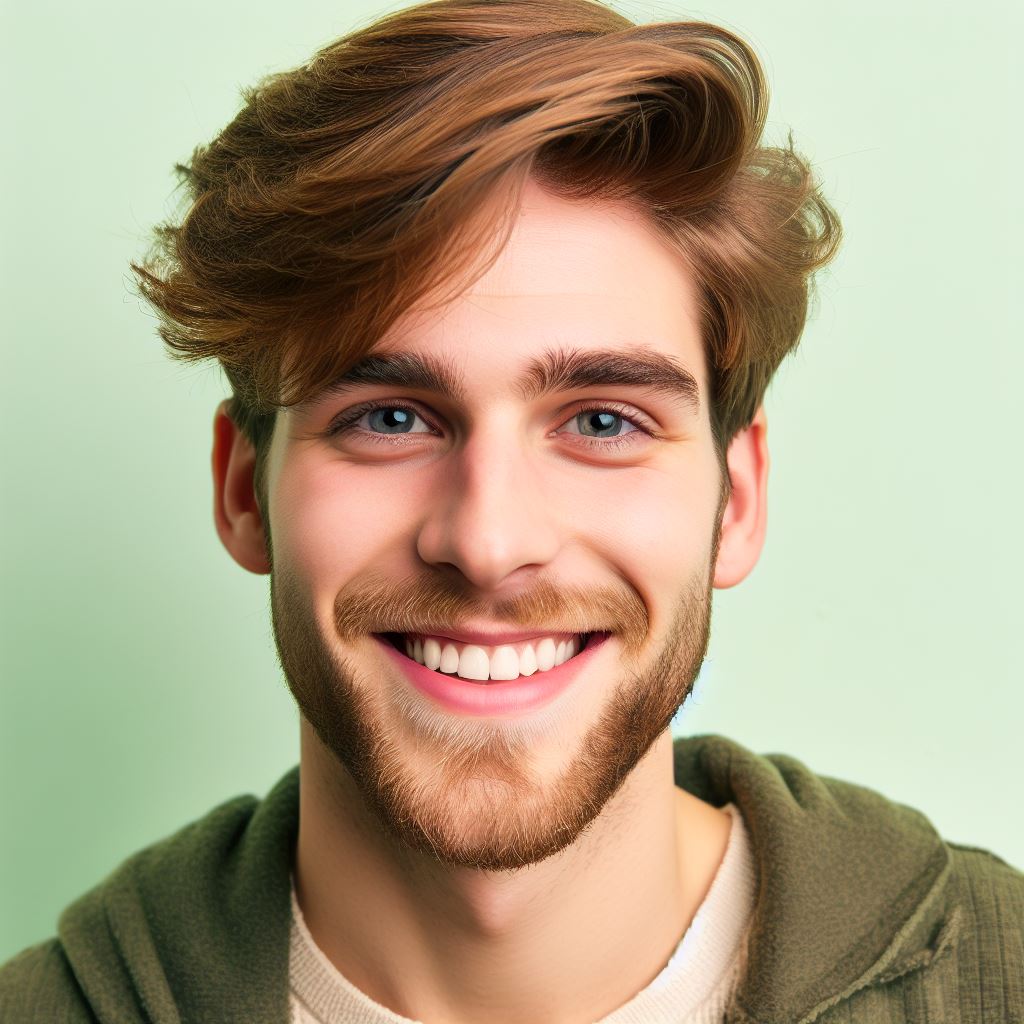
x,y
863,913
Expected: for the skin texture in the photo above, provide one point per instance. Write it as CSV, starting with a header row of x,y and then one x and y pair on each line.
x,y
459,868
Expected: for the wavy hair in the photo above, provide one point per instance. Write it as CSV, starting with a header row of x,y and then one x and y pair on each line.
x,y
354,186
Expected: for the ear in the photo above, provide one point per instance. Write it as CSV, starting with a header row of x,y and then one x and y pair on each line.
x,y
235,509
746,516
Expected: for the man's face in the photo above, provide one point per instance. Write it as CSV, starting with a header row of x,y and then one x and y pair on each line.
x,y
590,509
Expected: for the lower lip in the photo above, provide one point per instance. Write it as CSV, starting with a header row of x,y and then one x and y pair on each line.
x,y
496,697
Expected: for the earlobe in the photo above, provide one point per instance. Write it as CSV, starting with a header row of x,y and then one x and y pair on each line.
x,y
746,516
236,511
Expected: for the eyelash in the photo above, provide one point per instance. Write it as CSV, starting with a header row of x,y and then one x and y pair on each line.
x,y
348,419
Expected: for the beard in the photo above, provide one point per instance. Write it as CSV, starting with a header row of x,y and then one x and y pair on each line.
x,y
470,791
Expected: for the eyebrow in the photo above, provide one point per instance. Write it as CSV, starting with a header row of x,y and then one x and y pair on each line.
x,y
559,369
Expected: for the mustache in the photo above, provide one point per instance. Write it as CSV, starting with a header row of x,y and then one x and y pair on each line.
x,y
375,603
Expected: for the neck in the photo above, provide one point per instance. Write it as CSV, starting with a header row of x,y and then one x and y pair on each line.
x,y
589,927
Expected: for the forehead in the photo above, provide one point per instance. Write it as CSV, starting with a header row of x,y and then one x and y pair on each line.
x,y
574,275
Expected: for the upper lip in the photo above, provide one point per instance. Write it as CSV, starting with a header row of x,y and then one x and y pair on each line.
x,y
494,637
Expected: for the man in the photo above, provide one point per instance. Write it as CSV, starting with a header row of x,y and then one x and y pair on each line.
x,y
499,288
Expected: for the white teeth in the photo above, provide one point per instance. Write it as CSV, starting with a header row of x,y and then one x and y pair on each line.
x,y
431,653
473,663
503,662
449,659
527,661
545,654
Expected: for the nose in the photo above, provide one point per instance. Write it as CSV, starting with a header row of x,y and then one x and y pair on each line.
x,y
488,514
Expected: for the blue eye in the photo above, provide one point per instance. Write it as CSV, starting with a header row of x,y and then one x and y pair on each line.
x,y
601,419
392,419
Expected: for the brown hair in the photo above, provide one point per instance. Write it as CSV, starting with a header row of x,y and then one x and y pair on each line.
x,y
351,187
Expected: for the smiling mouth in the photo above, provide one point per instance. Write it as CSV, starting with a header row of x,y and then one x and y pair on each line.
x,y
491,664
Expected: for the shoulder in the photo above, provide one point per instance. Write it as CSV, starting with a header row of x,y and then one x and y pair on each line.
x,y
991,894
215,888
975,865
38,985
977,970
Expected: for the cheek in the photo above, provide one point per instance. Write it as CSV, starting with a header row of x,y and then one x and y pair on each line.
x,y
331,521
655,525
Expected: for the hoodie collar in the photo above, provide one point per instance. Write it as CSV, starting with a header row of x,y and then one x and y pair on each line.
x,y
852,887
851,892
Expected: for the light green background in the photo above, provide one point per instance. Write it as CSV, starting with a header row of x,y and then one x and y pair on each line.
x,y
877,640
